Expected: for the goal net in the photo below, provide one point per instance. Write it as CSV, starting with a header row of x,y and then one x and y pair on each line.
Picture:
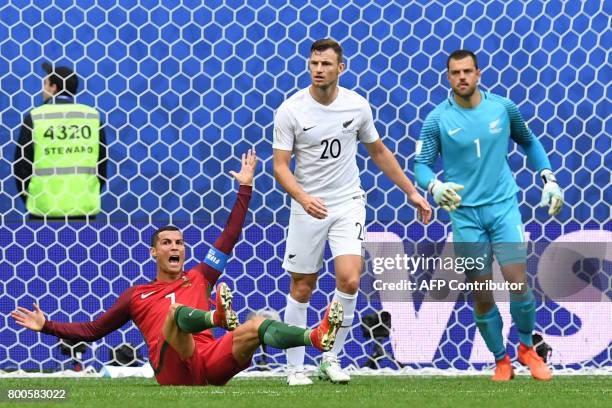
x,y
186,87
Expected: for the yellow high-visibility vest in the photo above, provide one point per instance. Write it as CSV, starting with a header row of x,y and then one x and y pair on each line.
x,y
66,148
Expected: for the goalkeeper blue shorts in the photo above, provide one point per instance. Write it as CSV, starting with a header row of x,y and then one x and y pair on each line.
x,y
485,230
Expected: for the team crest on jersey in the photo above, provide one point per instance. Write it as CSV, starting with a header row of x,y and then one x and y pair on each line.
x,y
346,126
494,126
186,282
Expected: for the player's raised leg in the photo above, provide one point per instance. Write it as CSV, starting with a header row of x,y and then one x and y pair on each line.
x,y
255,332
182,320
179,339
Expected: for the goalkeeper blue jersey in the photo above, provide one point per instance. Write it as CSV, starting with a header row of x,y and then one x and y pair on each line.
x,y
473,144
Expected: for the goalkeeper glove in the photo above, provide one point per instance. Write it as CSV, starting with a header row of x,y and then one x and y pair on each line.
x,y
551,193
445,194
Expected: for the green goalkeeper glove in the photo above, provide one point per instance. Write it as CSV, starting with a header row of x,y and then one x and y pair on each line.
x,y
551,193
445,194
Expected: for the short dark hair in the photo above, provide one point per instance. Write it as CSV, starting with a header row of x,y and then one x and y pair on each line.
x,y
461,54
325,44
63,77
159,231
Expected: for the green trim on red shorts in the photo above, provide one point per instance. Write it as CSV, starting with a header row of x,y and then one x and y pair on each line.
x,y
162,353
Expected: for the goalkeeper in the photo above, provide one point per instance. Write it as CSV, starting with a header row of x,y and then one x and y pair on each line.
x,y
471,131
173,314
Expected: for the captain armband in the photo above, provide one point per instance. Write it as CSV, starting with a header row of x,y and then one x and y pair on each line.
x,y
216,259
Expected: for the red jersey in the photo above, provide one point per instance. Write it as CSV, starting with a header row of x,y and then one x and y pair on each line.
x,y
147,305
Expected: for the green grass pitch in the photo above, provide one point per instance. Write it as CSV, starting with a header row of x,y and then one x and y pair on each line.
x,y
379,392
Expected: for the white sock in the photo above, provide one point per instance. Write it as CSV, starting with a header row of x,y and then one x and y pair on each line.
x,y
349,302
296,314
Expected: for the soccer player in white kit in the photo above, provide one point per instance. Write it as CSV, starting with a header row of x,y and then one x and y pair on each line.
x,y
321,126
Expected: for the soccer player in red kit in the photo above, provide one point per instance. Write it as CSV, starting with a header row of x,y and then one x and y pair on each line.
x,y
173,313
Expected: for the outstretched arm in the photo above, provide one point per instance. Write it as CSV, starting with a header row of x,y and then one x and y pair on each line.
x,y
231,233
215,260
386,161
112,319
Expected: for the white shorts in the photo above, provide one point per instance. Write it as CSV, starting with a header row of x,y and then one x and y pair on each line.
x,y
343,227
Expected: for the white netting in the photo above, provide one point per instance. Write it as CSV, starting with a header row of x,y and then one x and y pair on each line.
x,y
185,87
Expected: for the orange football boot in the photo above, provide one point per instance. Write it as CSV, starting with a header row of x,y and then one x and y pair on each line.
x,y
324,335
528,356
224,316
503,370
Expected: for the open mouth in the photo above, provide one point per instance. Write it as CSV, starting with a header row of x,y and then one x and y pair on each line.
x,y
174,260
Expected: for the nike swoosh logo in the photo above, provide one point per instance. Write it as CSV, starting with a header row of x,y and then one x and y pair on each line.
x,y
190,313
306,129
348,122
146,295
452,132
291,256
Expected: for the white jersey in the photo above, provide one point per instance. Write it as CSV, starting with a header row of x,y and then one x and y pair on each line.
x,y
324,142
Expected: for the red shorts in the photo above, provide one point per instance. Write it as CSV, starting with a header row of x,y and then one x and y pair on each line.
x,y
212,363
